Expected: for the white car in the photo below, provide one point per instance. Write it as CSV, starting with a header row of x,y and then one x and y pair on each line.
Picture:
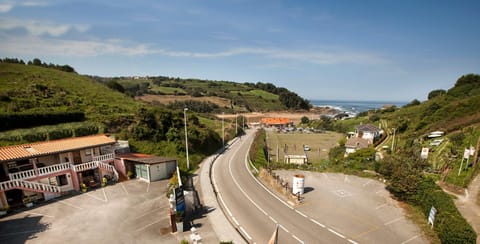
x,y
306,148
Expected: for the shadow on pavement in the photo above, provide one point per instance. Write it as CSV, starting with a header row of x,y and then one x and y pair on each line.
x,y
21,230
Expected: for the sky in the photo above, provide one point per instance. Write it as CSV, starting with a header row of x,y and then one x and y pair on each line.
x,y
322,50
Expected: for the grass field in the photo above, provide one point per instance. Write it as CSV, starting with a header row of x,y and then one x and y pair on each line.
x,y
319,144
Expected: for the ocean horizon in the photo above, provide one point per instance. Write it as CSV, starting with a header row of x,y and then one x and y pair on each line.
x,y
353,107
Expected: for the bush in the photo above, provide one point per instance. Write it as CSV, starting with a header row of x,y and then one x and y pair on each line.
x,y
11,121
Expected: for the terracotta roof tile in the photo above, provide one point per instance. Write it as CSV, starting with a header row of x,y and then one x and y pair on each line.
x,y
38,149
275,121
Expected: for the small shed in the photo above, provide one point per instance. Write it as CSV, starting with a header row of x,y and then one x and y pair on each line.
x,y
295,159
147,167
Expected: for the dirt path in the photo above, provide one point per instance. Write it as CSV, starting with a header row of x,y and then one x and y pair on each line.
x,y
468,205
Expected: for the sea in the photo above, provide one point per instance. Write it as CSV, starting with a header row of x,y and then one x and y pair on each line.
x,y
352,108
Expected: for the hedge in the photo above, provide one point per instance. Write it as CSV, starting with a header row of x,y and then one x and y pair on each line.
x,y
449,224
9,121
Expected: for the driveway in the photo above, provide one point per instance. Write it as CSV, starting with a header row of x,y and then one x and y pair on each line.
x,y
127,212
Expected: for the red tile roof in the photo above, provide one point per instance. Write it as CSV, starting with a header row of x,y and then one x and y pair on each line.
x,y
39,149
275,121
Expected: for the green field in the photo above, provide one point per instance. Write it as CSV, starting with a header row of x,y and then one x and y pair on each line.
x,y
319,144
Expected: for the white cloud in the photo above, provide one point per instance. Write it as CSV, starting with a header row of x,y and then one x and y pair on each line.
x,y
36,45
7,6
37,28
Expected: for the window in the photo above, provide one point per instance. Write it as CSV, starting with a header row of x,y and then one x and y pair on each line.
x,y
62,180
88,152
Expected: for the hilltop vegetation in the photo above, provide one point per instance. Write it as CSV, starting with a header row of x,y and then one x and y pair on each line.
x,y
244,97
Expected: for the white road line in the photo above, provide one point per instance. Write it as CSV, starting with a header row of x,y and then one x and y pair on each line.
x,y
105,195
283,228
223,202
271,218
235,220
352,241
147,213
124,188
244,232
94,197
336,233
381,206
393,221
70,205
298,239
148,186
49,216
146,226
409,240
316,222
301,213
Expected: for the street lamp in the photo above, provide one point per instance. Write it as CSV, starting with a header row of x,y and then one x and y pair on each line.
x,y
223,130
186,137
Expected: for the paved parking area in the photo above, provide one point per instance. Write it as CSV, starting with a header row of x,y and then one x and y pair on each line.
x,y
128,212
359,208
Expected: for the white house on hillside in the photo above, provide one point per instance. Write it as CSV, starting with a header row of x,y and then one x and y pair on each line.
x,y
368,132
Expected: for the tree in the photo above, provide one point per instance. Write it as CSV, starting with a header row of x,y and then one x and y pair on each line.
x,y
436,93
305,120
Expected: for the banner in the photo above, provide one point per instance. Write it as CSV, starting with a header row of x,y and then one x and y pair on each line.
x,y
466,154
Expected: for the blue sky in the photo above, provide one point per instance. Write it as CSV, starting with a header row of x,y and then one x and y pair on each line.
x,y
350,50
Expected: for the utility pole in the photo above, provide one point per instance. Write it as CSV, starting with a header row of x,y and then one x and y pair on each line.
x,y
236,125
186,137
223,130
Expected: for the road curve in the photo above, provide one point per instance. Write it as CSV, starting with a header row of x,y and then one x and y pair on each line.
x,y
255,211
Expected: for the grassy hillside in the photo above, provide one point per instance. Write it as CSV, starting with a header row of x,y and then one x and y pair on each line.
x,y
28,88
241,97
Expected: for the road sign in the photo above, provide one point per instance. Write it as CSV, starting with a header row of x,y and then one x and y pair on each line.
x,y
431,216
179,199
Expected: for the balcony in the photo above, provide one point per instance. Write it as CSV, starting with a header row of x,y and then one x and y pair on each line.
x,y
42,171
57,168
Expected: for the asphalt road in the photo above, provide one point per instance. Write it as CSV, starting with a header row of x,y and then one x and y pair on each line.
x,y
337,209
256,212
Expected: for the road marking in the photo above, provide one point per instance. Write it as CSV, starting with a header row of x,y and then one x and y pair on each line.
x,y
378,191
381,206
148,186
271,218
146,226
146,213
124,188
393,221
409,240
353,242
244,232
235,220
345,179
283,228
336,233
316,222
223,202
105,195
49,216
301,213
298,239
94,197
69,204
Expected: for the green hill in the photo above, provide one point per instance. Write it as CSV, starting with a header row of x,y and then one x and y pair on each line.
x,y
241,97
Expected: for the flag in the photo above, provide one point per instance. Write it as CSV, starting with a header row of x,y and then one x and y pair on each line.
x,y
274,238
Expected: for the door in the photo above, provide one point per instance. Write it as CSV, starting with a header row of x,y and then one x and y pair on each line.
x,y
142,171
77,159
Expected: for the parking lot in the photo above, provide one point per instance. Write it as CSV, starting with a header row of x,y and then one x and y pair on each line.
x,y
127,212
359,208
